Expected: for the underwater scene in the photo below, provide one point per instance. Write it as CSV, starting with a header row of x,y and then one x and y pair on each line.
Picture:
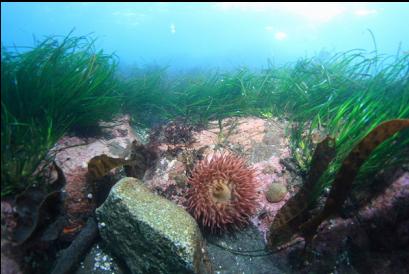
x,y
219,137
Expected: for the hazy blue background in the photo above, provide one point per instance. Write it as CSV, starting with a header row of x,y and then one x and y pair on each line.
x,y
186,35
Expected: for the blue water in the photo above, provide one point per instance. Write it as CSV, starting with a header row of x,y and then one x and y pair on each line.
x,y
224,35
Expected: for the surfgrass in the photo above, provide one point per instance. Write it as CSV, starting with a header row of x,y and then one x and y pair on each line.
x,y
345,96
152,96
61,84
356,92
65,84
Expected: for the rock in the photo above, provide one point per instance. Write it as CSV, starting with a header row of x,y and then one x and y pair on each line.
x,y
276,192
11,255
150,233
263,142
181,180
73,154
243,131
262,152
249,254
373,240
9,264
98,261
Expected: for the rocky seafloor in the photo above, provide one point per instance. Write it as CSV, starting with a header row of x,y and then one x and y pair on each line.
x,y
145,237
261,142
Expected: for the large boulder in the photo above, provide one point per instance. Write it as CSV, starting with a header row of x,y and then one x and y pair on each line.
x,y
149,233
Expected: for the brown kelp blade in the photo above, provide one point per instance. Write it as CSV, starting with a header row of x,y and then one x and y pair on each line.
x,y
292,214
100,165
142,158
139,159
343,181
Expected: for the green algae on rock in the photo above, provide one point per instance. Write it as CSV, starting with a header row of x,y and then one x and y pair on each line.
x,y
148,232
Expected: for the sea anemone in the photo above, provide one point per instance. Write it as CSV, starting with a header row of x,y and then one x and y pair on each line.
x,y
223,192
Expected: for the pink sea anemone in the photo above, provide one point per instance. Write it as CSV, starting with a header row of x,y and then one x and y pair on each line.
x,y
223,192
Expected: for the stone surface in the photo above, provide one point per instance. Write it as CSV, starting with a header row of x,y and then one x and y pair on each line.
x,y
373,240
262,142
9,264
11,255
149,233
73,154
99,261
243,252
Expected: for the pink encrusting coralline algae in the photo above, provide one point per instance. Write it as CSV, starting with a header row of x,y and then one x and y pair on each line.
x,y
268,173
